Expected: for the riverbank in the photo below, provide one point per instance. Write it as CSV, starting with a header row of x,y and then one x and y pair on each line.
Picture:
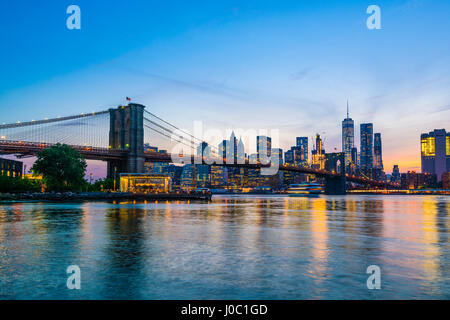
x,y
102,196
440,192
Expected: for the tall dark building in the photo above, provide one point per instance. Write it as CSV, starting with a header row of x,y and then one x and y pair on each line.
x,y
223,146
303,142
366,150
377,152
348,137
435,152
395,174
355,156
289,157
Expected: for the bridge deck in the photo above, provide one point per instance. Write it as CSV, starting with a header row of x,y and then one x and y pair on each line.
x,y
94,153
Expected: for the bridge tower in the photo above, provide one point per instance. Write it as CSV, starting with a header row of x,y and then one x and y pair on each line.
x,y
335,162
126,132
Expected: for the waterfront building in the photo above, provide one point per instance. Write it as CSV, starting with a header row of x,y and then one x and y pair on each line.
x,y
366,149
203,172
145,183
188,178
217,176
277,156
253,175
289,157
263,149
348,137
295,156
11,168
378,174
446,181
149,148
175,171
318,155
299,156
413,180
435,152
303,143
395,177
203,178
377,152
156,167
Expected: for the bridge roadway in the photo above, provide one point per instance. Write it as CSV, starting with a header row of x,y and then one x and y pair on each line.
x,y
24,149
167,157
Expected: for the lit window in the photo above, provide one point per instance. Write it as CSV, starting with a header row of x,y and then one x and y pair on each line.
x,y
448,145
427,147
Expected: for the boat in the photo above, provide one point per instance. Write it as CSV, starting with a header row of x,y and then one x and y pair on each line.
x,y
304,189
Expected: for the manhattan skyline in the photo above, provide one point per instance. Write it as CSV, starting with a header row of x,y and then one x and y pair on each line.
x,y
222,64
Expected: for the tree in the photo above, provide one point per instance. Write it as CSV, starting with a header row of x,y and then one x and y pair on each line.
x,y
101,185
62,167
16,185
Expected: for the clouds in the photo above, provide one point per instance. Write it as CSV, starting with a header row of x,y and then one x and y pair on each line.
x,y
299,75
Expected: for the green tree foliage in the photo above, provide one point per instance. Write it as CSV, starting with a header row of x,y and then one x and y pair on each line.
x,y
62,168
17,185
101,185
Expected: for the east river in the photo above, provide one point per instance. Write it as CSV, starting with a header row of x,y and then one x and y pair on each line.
x,y
235,247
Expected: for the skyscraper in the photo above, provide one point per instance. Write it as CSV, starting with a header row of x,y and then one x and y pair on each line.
x,y
289,157
377,152
348,137
355,156
366,150
203,150
395,174
203,172
263,149
435,152
318,155
223,149
277,156
203,175
303,142
188,178
240,151
232,152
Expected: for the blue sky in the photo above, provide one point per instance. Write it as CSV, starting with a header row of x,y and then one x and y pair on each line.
x,y
287,65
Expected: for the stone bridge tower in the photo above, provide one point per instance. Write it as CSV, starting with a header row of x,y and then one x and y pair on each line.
x,y
126,132
335,162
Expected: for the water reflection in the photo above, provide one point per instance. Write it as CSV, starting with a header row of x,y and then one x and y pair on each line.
x,y
233,248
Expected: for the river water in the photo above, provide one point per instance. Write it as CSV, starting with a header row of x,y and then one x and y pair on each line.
x,y
235,247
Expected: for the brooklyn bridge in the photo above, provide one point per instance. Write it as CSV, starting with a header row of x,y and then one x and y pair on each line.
x,y
118,135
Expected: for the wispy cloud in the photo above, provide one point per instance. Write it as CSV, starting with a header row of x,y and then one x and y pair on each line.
x,y
301,74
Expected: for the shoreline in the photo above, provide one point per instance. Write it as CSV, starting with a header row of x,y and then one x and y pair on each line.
x,y
102,196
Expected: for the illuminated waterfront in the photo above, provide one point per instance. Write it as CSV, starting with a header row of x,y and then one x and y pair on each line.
x,y
236,247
